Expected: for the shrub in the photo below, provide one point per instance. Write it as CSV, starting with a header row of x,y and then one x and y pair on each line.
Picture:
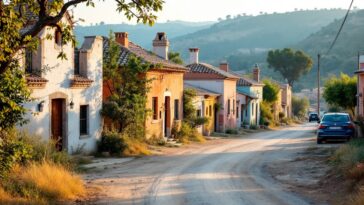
x,y
112,142
187,134
254,127
160,141
300,106
44,181
281,115
266,114
231,131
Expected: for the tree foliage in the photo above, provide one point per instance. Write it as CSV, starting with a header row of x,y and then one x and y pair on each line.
x,y
13,92
189,110
289,63
22,20
270,91
175,58
300,106
129,86
341,91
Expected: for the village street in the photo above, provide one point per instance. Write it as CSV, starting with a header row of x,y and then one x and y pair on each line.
x,y
223,171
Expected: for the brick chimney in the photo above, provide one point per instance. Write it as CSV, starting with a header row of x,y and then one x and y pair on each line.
x,y
122,38
224,66
256,73
161,45
194,55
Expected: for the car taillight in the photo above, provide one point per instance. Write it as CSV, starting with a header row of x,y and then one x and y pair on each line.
x,y
350,126
322,127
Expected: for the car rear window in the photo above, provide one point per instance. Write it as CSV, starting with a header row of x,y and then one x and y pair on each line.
x,y
336,118
313,115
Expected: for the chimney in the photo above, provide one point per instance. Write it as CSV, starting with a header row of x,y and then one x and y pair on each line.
x,y
256,73
224,66
161,45
194,55
122,38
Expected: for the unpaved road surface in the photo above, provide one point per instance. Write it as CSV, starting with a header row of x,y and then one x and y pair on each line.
x,y
222,172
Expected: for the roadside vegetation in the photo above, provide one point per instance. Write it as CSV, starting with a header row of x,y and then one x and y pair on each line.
x,y
349,161
34,172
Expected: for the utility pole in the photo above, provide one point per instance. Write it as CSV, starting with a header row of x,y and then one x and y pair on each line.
x,y
318,84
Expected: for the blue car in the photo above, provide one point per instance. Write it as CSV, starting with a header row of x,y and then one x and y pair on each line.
x,y
335,126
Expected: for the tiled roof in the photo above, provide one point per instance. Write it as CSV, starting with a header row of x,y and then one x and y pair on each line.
x,y
200,91
35,81
209,69
147,56
80,81
245,81
249,94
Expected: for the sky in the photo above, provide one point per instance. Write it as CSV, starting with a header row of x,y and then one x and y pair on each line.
x,y
205,10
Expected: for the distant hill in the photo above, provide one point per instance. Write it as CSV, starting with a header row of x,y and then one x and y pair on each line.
x,y
343,57
142,34
251,35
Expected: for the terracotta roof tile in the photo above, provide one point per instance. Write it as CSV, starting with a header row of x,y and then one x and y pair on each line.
x,y
200,91
147,56
207,68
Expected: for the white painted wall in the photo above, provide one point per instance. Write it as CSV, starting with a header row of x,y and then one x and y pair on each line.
x,y
59,80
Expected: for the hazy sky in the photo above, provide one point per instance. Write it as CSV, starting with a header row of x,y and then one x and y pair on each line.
x,y
207,10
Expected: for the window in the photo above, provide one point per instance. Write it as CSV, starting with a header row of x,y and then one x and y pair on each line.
x,y
28,61
237,111
83,119
58,37
176,109
155,108
228,107
77,62
210,110
233,107
198,113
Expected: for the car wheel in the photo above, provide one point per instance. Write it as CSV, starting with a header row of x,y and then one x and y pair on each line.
x,y
319,141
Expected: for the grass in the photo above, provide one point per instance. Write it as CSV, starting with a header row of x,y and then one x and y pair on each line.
x,y
135,147
41,183
349,160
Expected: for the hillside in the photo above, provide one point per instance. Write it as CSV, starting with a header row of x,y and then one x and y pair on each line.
x,y
142,34
343,57
249,35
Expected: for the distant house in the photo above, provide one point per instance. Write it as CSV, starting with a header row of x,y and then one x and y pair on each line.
x,y
205,104
250,95
360,87
218,80
67,92
284,102
165,96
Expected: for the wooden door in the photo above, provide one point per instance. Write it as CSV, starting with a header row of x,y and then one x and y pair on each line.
x,y
57,123
167,115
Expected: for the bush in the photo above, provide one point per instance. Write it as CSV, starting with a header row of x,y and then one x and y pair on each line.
x,y
266,114
112,142
187,134
119,144
281,115
231,131
254,127
300,106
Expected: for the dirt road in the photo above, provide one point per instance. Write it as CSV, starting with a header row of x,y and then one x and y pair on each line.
x,y
223,172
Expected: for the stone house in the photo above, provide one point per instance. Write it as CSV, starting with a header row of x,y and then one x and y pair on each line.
x,y
250,95
217,80
205,104
165,96
67,92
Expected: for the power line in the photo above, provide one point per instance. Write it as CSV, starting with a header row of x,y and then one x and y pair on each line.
x,y
341,27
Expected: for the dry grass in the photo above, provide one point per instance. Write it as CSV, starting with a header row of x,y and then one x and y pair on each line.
x,y
135,148
357,199
40,183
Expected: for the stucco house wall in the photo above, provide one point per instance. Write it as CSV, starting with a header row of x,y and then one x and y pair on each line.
x,y
164,84
60,75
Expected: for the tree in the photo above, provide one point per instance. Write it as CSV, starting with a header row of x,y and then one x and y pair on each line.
x,y
341,91
22,20
129,86
13,92
175,57
270,91
289,63
300,106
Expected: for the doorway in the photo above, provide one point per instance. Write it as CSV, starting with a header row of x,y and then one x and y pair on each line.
x,y
57,123
167,116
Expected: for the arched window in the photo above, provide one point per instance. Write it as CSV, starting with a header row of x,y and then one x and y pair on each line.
x,y
58,37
